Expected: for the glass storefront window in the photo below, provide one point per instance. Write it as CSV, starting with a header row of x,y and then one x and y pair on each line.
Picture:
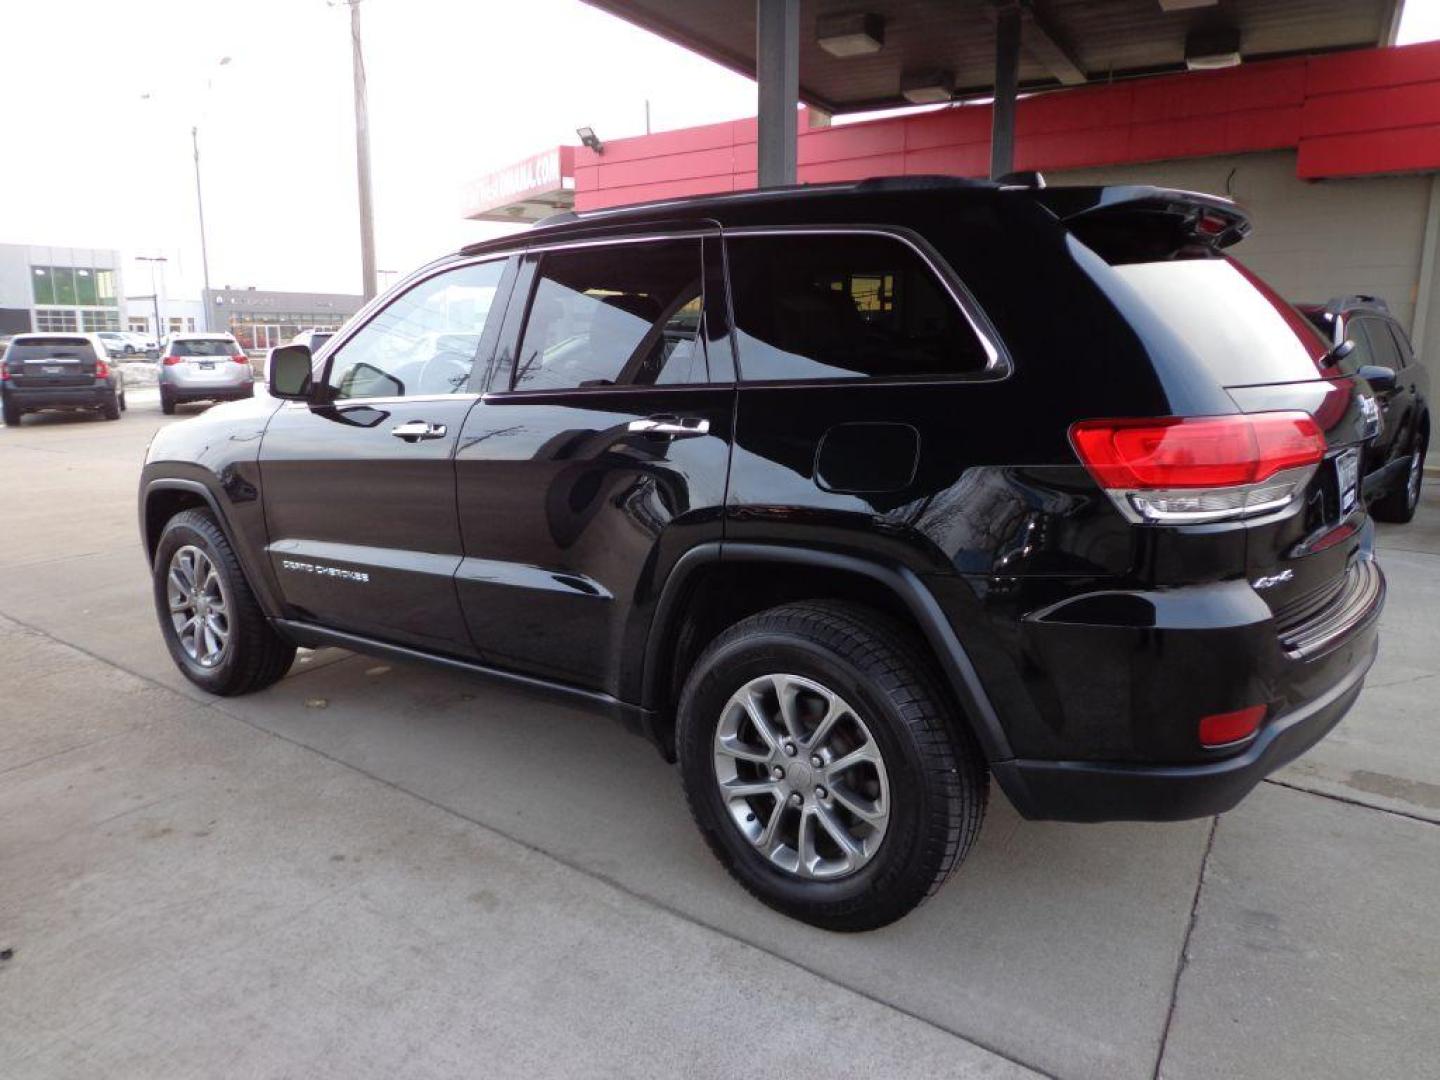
x,y
84,286
44,285
105,287
99,320
64,284
54,321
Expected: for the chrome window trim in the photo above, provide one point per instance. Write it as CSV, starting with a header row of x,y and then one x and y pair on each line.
x,y
997,359
367,314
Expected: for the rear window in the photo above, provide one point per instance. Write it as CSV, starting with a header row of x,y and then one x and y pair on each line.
x,y
844,306
1239,328
44,348
204,347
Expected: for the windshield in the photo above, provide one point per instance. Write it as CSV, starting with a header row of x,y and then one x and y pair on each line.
x,y
204,347
50,349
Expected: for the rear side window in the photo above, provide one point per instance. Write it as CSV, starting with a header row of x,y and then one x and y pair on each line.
x,y
58,348
621,315
204,347
844,306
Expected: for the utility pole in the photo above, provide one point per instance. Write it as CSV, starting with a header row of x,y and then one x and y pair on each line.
x,y
362,155
204,251
154,291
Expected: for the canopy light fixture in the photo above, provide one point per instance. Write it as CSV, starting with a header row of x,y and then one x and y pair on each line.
x,y
1214,47
843,36
589,138
927,87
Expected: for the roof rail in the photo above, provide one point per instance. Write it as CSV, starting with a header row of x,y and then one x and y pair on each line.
x,y
557,218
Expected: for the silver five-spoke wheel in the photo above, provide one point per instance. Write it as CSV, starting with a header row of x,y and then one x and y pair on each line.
x,y
199,606
802,777
1412,480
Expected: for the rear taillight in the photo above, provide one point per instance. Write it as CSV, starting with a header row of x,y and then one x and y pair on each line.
x,y
172,360
240,358
102,369
1206,468
4,371
1224,729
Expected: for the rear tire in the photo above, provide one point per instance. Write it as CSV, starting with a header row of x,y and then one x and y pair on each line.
x,y
110,410
224,644
10,413
912,806
1399,505
167,404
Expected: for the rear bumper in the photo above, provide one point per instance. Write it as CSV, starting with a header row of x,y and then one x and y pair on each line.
x,y
229,392
1100,791
60,397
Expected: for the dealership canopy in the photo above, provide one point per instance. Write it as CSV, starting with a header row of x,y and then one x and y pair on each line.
x,y
840,56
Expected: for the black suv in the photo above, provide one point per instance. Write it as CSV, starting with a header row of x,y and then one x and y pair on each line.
x,y
1369,343
846,497
59,371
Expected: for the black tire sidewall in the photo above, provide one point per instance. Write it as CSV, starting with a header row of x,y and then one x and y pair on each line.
x,y
180,532
735,663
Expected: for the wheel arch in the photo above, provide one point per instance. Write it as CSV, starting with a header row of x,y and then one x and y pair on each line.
x,y
887,586
164,497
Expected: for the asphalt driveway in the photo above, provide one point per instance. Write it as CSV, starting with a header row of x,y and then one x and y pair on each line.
x,y
377,871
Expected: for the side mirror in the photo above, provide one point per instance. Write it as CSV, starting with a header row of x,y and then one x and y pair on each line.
x,y
1381,379
288,372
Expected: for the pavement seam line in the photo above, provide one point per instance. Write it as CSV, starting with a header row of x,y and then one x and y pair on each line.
x,y
1183,960
649,901
1290,786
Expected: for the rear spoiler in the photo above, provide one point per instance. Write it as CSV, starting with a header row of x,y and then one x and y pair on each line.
x,y
1166,218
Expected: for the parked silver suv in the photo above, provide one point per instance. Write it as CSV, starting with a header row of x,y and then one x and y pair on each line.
x,y
203,367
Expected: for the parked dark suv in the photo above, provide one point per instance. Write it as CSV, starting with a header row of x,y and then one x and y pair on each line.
x,y
845,497
59,371
1371,344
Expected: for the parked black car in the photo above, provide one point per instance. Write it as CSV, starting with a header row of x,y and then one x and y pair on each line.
x,y
59,371
1379,352
843,496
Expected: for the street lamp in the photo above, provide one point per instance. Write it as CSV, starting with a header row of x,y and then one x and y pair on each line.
x,y
154,292
590,139
199,200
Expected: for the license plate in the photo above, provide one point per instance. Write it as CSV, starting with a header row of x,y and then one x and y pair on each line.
x,y
207,365
52,369
1347,471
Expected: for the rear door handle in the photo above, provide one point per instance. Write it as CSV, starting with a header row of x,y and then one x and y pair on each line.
x,y
682,427
415,430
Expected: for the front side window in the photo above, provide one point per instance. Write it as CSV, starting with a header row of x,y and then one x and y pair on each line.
x,y
844,306
621,315
424,341
1382,344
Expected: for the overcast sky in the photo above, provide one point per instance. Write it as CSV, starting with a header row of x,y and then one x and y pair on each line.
x,y
457,88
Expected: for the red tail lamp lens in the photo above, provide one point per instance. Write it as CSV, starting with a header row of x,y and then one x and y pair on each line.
x,y
1220,729
1196,452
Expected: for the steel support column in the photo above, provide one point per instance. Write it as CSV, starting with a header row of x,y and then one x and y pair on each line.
x,y
1007,79
777,74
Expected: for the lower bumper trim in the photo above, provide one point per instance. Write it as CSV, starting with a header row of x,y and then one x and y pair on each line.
x,y
1102,791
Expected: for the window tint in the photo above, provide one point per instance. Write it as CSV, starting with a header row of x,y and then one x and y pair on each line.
x,y
424,341
47,348
204,347
613,316
1382,345
844,306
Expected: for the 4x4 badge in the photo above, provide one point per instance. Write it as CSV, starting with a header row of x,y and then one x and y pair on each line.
x,y
1272,579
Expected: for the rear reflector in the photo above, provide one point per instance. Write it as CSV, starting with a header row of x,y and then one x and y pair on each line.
x,y
1206,468
1221,729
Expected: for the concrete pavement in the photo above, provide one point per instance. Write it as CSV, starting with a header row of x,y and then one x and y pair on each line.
x,y
377,870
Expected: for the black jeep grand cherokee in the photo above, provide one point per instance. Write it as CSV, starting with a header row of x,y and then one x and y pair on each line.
x,y
845,497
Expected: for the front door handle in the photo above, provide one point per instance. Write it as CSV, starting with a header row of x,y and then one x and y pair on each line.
x,y
682,427
415,430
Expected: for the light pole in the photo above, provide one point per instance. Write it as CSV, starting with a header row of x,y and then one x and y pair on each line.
x,y
155,292
362,154
200,203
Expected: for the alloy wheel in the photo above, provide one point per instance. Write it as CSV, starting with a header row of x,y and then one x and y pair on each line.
x,y
802,777
1412,481
199,606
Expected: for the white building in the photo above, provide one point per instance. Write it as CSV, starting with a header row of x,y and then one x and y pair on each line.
x,y
59,288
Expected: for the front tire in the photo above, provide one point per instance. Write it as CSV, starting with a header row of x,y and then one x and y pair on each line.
x,y
212,624
825,767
